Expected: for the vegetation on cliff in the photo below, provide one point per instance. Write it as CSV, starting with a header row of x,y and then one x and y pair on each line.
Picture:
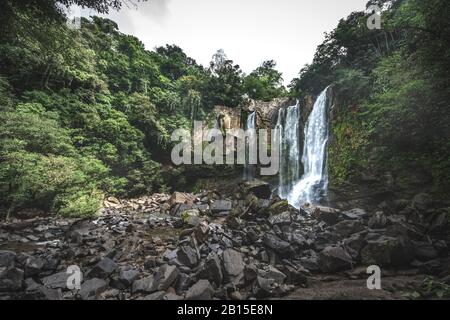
x,y
391,117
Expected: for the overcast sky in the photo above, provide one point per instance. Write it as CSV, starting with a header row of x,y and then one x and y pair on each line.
x,y
249,31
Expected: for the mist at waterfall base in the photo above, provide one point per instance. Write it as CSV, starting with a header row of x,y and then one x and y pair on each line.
x,y
312,185
249,168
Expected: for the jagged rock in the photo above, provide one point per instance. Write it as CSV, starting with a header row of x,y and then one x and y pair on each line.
x,y
348,227
275,243
424,251
278,207
44,293
433,267
201,232
181,198
250,272
144,285
272,273
158,295
259,188
263,287
334,259
202,290
127,277
187,256
294,276
213,270
377,221
11,279
92,288
165,277
283,218
422,201
220,206
7,258
102,269
324,239
328,215
311,262
233,265
355,242
354,214
385,251
34,266
56,281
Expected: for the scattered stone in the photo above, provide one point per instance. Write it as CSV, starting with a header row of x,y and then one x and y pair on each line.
x,y
144,285
334,259
233,265
127,277
92,288
328,215
7,258
102,269
283,218
424,251
377,221
56,281
259,188
187,256
165,277
202,290
348,227
213,270
34,266
275,243
11,279
385,251
219,206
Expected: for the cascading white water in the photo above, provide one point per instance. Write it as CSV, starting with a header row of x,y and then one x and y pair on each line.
x,y
287,130
314,181
251,125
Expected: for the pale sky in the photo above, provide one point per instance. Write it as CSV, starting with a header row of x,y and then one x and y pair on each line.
x,y
249,31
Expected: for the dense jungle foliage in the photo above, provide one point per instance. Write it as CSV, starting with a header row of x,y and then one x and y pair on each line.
x,y
391,118
87,112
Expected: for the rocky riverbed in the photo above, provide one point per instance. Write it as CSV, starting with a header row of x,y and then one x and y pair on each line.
x,y
244,245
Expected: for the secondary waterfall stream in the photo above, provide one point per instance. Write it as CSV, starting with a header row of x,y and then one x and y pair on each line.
x,y
251,125
312,185
288,135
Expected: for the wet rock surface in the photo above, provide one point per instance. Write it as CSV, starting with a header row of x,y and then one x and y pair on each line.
x,y
211,246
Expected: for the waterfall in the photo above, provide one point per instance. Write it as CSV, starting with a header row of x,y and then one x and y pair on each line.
x,y
288,135
313,184
251,125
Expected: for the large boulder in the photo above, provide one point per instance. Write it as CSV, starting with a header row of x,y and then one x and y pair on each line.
x,y
181,198
102,269
92,288
328,215
333,259
259,188
387,251
7,258
233,265
348,227
202,290
11,279
220,206
273,242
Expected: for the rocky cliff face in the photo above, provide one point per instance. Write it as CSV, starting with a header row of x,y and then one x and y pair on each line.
x,y
267,112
